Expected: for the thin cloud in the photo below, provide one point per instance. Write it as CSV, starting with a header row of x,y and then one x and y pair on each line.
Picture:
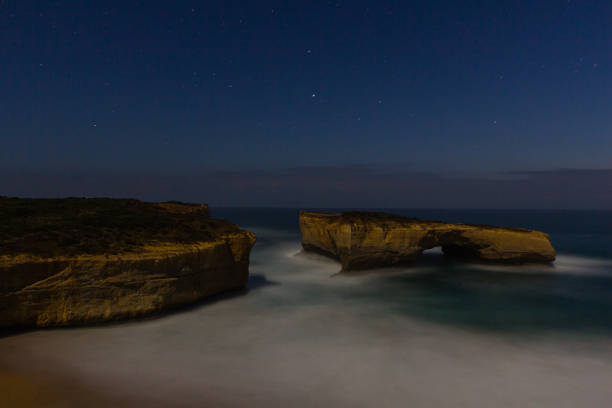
x,y
335,186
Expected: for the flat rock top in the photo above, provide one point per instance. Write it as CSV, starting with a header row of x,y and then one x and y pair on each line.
x,y
393,221
50,228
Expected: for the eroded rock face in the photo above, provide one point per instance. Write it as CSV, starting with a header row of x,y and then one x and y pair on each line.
x,y
362,240
206,257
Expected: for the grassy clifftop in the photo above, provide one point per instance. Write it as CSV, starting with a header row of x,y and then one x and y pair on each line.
x,y
79,261
73,226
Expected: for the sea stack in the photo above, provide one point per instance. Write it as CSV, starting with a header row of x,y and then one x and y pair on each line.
x,y
362,240
81,261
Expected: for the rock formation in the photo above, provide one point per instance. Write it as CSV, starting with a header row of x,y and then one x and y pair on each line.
x,y
362,240
80,261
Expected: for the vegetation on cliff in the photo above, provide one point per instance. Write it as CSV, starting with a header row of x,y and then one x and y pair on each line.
x,y
80,261
73,226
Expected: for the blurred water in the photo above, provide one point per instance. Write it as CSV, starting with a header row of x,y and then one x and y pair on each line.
x,y
429,335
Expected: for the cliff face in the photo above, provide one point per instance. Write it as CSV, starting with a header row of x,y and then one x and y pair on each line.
x,y
74,286
362,240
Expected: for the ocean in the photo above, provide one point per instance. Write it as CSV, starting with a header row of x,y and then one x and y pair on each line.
x,y
430,334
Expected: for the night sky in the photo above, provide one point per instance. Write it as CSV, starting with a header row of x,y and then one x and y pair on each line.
x,y
481,104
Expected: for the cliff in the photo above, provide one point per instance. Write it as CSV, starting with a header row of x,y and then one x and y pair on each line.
x,y
81,261
362,240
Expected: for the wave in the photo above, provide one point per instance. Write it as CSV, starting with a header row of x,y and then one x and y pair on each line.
x,y
394,337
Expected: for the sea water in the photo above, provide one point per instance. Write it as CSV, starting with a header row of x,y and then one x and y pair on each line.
x,y
430,334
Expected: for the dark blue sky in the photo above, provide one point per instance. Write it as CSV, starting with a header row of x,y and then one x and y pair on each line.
x,y
350,103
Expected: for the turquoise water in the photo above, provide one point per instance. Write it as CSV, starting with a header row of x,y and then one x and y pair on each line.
x,y
574,294
578,232
432,334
